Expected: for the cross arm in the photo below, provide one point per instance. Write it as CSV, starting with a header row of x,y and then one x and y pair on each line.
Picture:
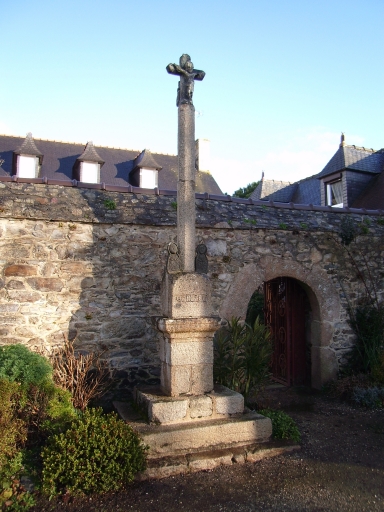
x,y
174,69
199,75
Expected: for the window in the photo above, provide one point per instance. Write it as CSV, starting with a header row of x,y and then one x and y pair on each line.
x,y
89,172
335,193
148,178
27,166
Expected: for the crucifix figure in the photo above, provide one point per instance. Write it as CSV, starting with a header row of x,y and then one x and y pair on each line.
x,y
188,75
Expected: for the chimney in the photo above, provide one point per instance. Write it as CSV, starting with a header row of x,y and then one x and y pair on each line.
x,y
203,155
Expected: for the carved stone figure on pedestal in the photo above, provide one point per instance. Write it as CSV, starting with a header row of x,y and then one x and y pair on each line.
x,y
188,75
173,262
201,260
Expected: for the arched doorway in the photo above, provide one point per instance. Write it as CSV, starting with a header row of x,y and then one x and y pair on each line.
x,y
287,313
324,305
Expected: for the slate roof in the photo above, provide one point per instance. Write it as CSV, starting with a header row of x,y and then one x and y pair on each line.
x,y
145,159
372,197
274,190
28,147
354,158
60,157
90,155
307,191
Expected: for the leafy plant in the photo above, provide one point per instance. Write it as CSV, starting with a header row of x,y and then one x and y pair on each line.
x,y
283,426
303,225
242,355
13,435
371,398
348,230
364,226
282,225
110,204
99,453
13,430
174,205
19,364
380,221
85,376
367,321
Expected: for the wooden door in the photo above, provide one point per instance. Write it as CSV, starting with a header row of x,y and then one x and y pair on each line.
x,y
285,313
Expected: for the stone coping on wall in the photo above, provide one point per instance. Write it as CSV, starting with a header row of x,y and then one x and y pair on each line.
x,y
24,199
226,198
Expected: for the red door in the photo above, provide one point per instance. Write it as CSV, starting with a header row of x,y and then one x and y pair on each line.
x,y
285,306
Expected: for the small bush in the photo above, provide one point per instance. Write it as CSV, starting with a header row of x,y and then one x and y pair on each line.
x,y
13,431
13,434
371,398
348,230
99,453
110,204
283,426
19,364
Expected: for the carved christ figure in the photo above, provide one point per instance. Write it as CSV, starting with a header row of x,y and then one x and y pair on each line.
x,y
188,75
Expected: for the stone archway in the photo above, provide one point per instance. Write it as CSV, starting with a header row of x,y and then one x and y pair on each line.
x,y
323,298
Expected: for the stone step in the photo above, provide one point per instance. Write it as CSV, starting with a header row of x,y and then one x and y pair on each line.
x,y
175,439
163,467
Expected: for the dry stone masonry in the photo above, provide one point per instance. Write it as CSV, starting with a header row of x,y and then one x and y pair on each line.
x,y
69,265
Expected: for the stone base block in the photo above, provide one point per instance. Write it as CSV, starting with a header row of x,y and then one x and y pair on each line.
x,y
189,437
219,403
164,467
192,437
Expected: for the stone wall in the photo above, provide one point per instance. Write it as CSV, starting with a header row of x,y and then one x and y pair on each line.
x,y
71,265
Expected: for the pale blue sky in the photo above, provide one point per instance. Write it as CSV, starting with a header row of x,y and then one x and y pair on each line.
x,y
283,78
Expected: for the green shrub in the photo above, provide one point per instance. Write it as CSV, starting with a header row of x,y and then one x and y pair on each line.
x,y
13,431
13,434
110,204
372,398
98,453
283,426
48,410
242,356
19,364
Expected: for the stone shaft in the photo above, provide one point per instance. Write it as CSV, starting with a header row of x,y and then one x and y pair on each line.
x,y
186,187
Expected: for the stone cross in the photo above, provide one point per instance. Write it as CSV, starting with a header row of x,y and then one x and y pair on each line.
x,y
186,214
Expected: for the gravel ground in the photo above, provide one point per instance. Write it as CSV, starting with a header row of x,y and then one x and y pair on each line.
x,y
339,468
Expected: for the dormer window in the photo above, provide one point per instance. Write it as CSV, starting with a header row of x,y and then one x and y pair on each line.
x,y
27,159
88,164
148,178
334,191
27,166
89,172
145,171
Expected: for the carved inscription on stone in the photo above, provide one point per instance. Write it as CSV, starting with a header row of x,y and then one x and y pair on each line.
x,y
191,298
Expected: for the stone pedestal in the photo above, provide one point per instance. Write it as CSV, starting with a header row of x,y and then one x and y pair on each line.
x,y
186,296
186,355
